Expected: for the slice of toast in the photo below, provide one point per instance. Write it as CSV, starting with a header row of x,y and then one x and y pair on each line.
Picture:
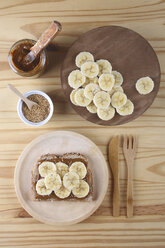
x,y
67,158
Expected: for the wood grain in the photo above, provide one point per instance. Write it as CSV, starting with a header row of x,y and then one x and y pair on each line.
x,y
28,19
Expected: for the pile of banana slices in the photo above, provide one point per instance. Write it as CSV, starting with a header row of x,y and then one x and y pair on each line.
x,y
62,179
98,88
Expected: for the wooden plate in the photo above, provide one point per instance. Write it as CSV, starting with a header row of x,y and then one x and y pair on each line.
x,y
60,212
129,53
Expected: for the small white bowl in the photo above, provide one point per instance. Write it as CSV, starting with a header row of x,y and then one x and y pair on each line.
x,y
22,117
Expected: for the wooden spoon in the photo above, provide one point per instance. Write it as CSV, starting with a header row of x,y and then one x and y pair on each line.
x,y
28,102
43,41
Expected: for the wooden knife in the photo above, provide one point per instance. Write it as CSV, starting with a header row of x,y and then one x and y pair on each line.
x,y
113,155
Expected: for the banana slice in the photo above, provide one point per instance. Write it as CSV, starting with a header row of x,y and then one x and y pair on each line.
x,y
106,114
76,79
90,80
79,168
106,81
62,168
80,98
118,99
53,181
41,188
102,99
83,57
116,89
90,69
93,80
104,66
46,168
90,90
127,109
118,78
81,190
72,97
144,85
71,180
62,192
92,108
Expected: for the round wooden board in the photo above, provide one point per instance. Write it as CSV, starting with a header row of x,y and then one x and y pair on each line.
x,y
60,212
129,53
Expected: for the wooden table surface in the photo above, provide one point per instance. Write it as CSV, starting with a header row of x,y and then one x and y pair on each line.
x,y
27,19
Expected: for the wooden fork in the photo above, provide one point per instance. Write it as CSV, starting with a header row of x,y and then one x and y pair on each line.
x,y
129,149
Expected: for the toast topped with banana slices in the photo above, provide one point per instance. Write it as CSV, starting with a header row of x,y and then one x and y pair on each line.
x,y
65,177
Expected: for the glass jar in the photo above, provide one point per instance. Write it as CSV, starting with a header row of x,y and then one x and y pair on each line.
x,y
37,69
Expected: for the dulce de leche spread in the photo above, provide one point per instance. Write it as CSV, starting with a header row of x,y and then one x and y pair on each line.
x,y
47,163
17,61
19,54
